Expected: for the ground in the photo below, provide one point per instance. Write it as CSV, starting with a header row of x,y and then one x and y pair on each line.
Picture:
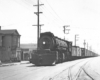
x,y
84,69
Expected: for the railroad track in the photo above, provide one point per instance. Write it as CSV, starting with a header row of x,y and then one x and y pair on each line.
x,y
68,72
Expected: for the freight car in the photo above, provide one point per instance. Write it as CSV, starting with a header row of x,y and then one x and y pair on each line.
x,y
54,50
79,53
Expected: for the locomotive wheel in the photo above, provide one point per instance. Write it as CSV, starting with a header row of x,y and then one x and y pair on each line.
x,y
56,60
59,57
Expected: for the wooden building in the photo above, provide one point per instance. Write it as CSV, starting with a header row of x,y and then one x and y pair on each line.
x,y
9,45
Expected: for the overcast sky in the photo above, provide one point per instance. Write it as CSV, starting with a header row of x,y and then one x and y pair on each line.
x,y
83,16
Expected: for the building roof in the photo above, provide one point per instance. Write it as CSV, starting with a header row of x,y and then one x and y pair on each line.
x,y
28,46
12,31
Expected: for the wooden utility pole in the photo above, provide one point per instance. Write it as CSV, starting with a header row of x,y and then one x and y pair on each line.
x,y
84,43
87,46
65,30
38,24
40,28
76,38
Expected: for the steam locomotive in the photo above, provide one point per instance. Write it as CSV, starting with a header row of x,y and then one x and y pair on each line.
x,y
53,50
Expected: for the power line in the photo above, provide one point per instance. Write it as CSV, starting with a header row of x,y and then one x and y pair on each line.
x,y
49,20
25,4
76,38
51,14
54,11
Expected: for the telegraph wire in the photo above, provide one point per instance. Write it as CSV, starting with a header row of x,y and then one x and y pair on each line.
x,y
54,10
54,19
57,17
48,11
52,15
25,5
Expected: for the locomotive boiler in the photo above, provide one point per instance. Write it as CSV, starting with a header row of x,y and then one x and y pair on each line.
x,y
49,41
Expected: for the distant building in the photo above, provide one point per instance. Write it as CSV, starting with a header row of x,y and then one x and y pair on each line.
x,y
25,55
27,49
9,45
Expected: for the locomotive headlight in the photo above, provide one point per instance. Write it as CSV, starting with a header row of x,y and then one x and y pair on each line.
x,y
44,42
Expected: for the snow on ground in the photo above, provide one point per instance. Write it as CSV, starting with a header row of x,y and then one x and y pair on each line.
x,y
92,69
13,63
83,69
88,69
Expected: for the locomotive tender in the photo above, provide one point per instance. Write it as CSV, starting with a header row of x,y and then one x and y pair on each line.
x,y
54,50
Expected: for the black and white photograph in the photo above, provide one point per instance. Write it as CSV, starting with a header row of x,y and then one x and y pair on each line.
x,y
49,40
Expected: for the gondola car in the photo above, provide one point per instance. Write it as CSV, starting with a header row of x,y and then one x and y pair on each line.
x,y
52,50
